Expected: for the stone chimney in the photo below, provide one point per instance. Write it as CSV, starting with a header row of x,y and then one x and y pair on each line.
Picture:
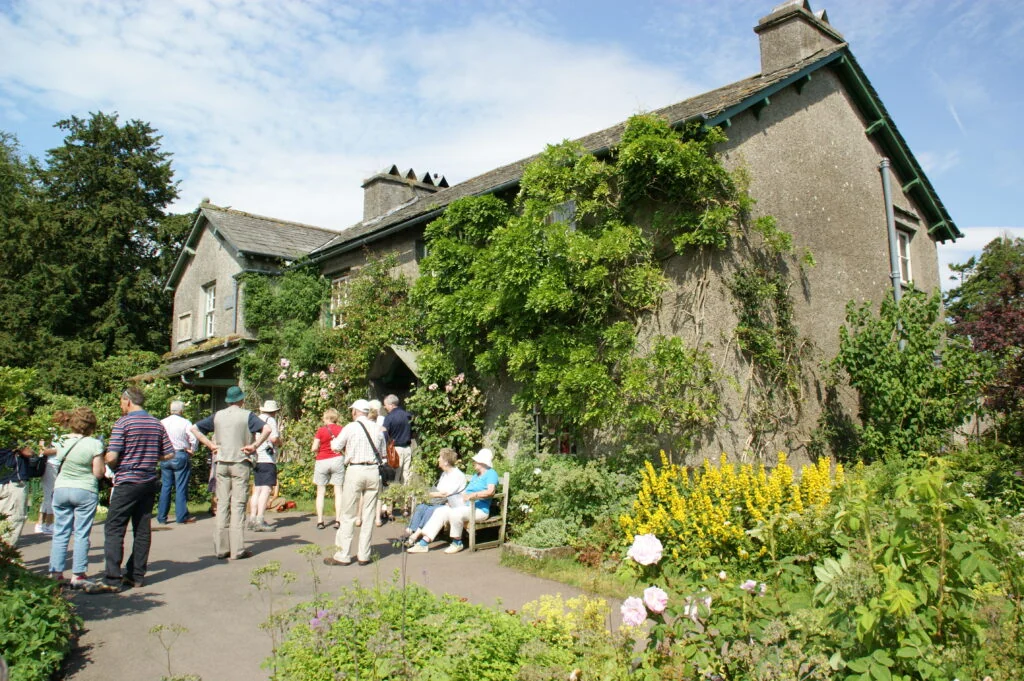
x,y
390,188
792,32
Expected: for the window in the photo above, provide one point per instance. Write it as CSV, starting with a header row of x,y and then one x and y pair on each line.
x,y
420,249
185,327
903,241
210,306
339,295
563,212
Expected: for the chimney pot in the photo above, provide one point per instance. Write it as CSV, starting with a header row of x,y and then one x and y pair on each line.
x,y
390,188
791,32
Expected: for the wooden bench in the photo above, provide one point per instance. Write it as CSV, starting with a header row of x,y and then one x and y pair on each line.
x,y
498,520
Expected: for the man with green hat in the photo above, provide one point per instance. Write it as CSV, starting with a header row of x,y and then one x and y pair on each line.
x,y
233,446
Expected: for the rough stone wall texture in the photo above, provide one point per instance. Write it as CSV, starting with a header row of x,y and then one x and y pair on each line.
x,y
812,167
212,262
403,245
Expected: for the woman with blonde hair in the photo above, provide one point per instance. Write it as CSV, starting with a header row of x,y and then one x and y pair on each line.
x,y
80,465
329,468
447,491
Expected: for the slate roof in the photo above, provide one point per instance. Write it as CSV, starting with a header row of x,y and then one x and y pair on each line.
x,y
711,107
706,105
264,236
249,234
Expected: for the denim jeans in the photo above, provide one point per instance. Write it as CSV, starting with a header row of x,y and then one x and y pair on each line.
x,y
420,515
72,508
174,474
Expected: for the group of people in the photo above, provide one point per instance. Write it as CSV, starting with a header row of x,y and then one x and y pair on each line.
x,y
144,456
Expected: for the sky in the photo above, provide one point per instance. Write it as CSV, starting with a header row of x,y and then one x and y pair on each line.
x,y
284,107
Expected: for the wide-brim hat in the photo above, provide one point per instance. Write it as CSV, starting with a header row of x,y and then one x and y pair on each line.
x,y
484,457
235,394
361,405
270,406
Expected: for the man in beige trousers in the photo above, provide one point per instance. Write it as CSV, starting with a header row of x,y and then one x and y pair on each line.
x,y
233,450
362,444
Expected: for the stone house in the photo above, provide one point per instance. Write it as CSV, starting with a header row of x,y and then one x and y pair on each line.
x,y
824,158
208,330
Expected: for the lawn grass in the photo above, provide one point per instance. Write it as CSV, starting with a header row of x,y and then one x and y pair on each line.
x,y
593,581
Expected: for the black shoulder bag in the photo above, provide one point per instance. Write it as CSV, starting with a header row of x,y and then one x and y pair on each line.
x,y
387,473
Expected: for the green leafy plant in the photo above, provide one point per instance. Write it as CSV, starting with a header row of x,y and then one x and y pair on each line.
x,y
915,386
39,622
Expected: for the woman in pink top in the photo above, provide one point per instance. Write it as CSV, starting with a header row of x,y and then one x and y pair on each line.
x,y
329,468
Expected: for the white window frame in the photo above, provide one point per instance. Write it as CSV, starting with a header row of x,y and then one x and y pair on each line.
x,y
563,212
339,294
185,327
903,239
210,309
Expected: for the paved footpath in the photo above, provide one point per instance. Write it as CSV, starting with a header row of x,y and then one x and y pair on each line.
x,y
187,586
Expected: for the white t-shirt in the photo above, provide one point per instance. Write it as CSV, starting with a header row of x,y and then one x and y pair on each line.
x,y
267,453
451,481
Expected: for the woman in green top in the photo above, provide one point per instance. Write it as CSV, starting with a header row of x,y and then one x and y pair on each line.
x,y
75,495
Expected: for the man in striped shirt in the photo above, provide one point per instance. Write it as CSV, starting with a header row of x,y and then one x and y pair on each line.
x,y
137,442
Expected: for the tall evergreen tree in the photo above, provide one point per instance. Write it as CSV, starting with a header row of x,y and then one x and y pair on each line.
x,y
92,247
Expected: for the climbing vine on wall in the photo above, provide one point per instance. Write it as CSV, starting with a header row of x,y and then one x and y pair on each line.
x,y
288,315
551,289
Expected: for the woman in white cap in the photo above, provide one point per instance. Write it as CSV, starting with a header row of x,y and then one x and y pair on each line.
x,y
265,473
476,500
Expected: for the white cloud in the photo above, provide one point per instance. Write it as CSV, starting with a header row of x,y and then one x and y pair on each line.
x,y
284,108
972,244
936,163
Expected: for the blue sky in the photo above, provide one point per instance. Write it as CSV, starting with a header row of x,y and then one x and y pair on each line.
x,y
283,108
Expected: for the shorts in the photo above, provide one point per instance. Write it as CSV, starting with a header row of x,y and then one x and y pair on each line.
x,y
329,471
266,475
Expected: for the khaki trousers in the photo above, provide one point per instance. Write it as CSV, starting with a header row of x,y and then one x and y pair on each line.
x,y
360,481
405,456
232,496
13,496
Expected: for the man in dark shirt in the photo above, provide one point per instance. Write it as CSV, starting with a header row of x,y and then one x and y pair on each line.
x,y
137,442
14,475
400,432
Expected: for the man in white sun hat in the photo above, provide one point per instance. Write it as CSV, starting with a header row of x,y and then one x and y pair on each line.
x,y
476,500
363,446
265,471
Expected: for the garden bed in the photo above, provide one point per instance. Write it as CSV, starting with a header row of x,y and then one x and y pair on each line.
x,y
539,554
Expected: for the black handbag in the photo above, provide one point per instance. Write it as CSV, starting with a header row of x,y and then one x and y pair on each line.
x,y
387,473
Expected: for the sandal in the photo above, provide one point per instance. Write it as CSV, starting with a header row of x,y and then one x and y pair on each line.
x,y
320,525
337,524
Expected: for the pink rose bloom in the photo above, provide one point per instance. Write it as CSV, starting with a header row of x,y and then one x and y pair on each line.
x,y
633,612
749,586
282,376
646,549
432,386
655,599
285,363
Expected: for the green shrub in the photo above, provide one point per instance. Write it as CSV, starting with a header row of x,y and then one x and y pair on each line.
x,y
37,623
383,633
549,533
560,486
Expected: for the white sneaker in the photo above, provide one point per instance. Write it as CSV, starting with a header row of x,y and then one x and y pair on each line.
x,y
417,548
454,548
39,528
48,528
